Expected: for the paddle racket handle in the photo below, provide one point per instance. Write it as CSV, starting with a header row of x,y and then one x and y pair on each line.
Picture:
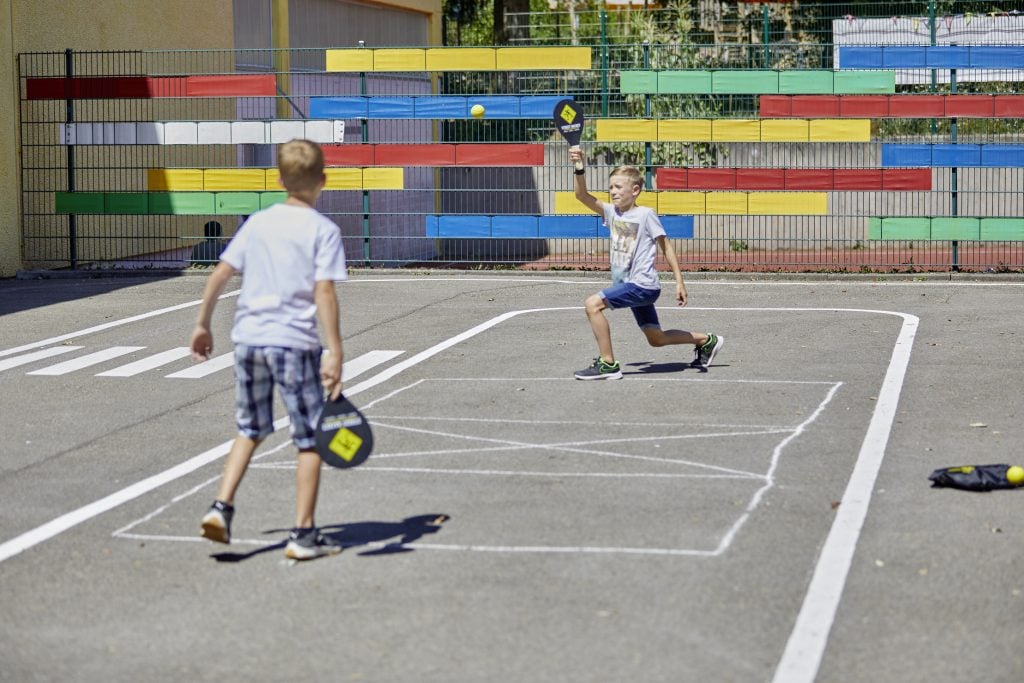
x,y
578,164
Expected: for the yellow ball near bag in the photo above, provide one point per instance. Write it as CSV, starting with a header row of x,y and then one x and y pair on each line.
x,y
1015,475
477,110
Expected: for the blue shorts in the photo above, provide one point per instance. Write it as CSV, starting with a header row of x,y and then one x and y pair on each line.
x,y
296,373
638,299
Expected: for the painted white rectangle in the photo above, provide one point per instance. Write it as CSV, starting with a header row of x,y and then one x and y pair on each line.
x,y
248,132
97,133
209,367
124,134
149,133
339,131
284,131
83,133
180,133
320,131
108,133
35,355
87,360
357,366
214,133
154,361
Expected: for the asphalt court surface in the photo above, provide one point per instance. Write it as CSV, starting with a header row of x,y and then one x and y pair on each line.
x,y
675,525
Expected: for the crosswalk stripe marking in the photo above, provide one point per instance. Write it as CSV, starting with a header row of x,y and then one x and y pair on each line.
x,y
154,361
35,355
86,360
209,367
367,361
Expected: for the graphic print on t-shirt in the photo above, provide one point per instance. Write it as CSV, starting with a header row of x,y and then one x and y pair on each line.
x,y
623,244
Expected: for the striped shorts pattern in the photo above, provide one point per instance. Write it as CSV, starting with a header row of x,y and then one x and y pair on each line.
x,y
296,373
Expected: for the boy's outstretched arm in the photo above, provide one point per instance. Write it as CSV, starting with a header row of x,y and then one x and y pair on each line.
x,y
670,256
588,200
327,311
202,340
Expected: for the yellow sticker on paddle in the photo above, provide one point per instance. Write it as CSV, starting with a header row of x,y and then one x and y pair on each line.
x,y
345,444
568,114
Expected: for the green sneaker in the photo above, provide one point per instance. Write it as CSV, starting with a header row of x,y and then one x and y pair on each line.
x,y
703,355
601,369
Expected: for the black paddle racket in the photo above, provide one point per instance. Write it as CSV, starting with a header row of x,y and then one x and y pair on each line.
x,y
568,118
343,436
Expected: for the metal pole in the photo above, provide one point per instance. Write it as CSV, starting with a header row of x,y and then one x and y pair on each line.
x,y
766,33
953,204
604,63
69,119
647,115
931,19
366,193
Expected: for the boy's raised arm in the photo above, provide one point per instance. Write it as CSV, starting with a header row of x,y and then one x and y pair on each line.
x,y
327,311
588,200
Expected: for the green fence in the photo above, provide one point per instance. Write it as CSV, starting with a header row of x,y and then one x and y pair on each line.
x,y
763,149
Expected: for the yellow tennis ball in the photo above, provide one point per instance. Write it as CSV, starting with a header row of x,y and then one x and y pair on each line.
x,y
477,111
1015,475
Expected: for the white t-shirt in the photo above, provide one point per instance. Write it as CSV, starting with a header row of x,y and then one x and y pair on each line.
x,y
282,251
633,247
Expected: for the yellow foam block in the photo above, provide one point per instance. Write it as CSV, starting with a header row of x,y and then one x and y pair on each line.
x,y
349,60
684,130
787,203
174,179
344,178
682,203
233,179
626,130
383,178
736,130
543,58
399,59
784,130
461,59
566,202
726,203
272,175
840,130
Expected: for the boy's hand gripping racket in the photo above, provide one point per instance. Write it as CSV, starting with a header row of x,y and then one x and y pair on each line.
x,y
568,118
343,436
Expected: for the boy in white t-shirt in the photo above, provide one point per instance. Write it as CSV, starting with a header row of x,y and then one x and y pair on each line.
x,y
290,256
636,234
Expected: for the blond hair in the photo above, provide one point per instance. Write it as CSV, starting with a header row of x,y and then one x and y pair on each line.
x,y
632,173
301,164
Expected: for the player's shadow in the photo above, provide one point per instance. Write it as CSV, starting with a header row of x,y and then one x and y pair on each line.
x,y
649,368
357,534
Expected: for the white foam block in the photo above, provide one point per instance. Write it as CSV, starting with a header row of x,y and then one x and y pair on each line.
x,y
248,132
214,133
283,131
181,133
149,133
320,131
124,133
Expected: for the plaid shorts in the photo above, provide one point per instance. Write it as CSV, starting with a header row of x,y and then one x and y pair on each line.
x,y
296,373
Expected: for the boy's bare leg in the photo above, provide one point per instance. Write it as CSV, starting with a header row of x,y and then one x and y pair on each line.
x,y
235,466
658,337
307,485
595,306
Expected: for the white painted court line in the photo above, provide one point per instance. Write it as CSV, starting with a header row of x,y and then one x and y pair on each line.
x,y
86,361
105,326
215,364
806,645
18,544
35,355
154,361
357,366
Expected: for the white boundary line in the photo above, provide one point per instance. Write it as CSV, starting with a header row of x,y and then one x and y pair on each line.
x,y
806,644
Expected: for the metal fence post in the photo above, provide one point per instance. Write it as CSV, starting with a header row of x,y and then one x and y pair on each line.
x,y
604,63
954,208
647,115
69,119
366,193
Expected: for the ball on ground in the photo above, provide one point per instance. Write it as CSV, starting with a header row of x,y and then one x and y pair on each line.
x,y
477,111
1015,475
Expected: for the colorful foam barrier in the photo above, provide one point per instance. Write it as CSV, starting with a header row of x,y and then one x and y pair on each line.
x,y
432,107
165,203
870,179
715,203
435,154
891,106
459,59
262,179
540,227
199,132
733,130
945,228
931,57
146,87
756,82
950,155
